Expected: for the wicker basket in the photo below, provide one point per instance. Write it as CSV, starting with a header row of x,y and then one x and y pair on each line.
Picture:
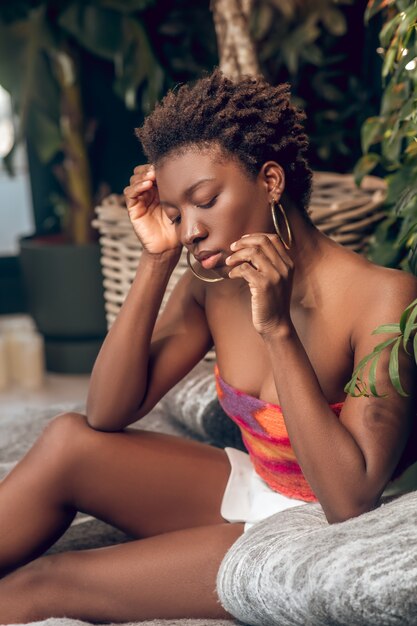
x,y
338,208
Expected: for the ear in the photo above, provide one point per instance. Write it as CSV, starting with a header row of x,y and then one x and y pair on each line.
x,y
272,177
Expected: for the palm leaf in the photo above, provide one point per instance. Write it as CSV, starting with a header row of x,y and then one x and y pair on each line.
x,y
410,327
356,381
404,316
394,370
415,347
386,328
372,377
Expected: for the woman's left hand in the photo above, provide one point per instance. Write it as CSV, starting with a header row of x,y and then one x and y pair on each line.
x,y
262,260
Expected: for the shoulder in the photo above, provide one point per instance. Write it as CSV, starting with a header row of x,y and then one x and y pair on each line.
x,y
383,294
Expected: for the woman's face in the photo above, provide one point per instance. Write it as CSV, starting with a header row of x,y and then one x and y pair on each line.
x,y
212,202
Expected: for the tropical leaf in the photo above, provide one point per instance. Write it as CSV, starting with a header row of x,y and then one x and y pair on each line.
x,y
389,61
388,30
372,377
412,259
334,21
365,165
356,381
98,29
415,347
371,132
393,369
410,326
405,198
386,328
374,6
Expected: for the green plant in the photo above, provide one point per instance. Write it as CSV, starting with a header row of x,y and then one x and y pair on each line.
x,y
39,66
308,42
395,132
404,330
152,46
389,140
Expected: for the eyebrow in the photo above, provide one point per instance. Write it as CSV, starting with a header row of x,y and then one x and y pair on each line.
x,y
189,191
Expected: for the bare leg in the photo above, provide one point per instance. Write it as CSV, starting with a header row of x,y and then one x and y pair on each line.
x,y
168,576
144,483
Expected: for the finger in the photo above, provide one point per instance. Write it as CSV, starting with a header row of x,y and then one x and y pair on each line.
x,y
147,168
136,178
246,271
135,193
132,191
254,255
265,241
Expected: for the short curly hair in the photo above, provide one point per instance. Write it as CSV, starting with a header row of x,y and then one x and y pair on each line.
x,y
250,120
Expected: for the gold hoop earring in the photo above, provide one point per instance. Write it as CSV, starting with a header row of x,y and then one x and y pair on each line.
x,y
286,245
203,278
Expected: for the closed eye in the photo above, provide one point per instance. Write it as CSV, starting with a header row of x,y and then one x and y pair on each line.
x,y
209,204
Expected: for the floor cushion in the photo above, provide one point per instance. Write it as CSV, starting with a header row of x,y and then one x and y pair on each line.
x,y
294,569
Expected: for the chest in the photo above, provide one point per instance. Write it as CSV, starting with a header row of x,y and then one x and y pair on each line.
x,y
245,364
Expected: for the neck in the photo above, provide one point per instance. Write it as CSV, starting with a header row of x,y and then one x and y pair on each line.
x,y
309,247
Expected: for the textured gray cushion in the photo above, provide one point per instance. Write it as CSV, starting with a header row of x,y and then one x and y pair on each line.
x,y
193,404
294,569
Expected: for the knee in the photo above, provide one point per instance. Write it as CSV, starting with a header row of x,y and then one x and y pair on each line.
x,y
65,426
65,433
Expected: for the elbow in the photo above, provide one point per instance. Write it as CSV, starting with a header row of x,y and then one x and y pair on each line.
x,y
347,511
108,423
96,425
99,422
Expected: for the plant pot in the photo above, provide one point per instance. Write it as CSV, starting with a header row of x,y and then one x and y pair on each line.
x,y
64,292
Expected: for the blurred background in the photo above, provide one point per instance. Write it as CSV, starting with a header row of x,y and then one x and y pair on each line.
x,y
76,78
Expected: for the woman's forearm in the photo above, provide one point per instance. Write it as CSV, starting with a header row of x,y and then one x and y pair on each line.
x,y
119,376
329,457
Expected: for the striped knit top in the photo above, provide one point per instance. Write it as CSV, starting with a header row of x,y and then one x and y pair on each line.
x,y
265,437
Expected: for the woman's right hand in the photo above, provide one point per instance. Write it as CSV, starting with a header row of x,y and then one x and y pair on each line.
x,y
153,228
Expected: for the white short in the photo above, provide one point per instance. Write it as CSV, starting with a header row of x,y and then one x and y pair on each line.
x,y
247,498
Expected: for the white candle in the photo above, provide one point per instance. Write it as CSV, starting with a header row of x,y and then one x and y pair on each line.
x,y
4,367
26,353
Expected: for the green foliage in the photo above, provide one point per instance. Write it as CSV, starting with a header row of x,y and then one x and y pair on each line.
x,y
307,43
154,45
390,139
29,44
404,330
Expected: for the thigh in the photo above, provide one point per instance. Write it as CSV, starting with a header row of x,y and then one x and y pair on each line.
x,y
142,482
168,576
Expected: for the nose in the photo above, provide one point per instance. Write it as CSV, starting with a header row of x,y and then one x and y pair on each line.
x,y
192,231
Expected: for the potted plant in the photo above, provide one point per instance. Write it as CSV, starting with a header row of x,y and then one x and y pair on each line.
x,y
39,48
394,132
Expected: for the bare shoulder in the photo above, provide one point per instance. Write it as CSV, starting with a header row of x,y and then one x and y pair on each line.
x,y
383,294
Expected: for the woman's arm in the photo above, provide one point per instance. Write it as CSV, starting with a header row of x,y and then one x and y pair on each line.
x,y
347,460
119,377
137,363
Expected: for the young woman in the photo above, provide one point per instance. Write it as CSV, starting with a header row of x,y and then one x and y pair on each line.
x,y
290,313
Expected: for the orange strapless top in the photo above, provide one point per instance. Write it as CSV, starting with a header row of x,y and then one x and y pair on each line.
x,y
265,437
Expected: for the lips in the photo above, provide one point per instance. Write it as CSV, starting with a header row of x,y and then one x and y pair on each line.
x,y
208,259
